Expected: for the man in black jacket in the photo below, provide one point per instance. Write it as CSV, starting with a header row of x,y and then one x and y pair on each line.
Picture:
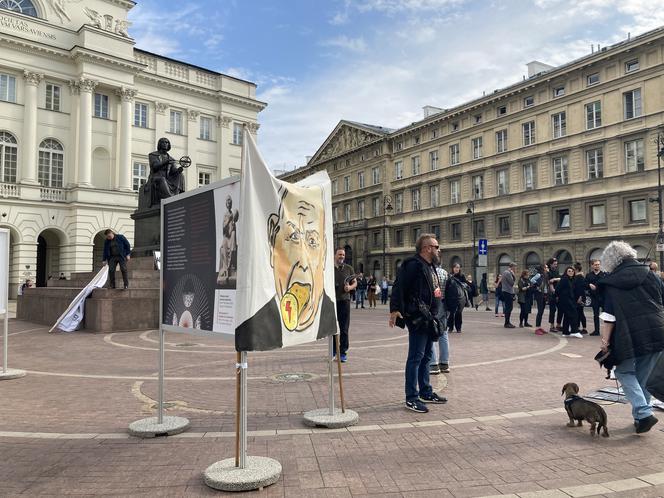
x,y
117,251
592,281
633,326
415,300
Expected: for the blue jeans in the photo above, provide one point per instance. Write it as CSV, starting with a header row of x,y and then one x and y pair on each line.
x,y
632,374
417,364
360,296
442,353
499,301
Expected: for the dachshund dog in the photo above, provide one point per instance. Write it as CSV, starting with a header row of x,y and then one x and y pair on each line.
x,y
579,409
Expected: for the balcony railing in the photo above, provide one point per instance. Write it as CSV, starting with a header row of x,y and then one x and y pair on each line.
x,y
53,194
8,190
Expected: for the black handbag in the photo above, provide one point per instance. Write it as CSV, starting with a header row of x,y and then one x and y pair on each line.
x,y
655,382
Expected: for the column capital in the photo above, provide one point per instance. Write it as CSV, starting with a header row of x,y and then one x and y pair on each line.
x,y
74,88
87,85
223,121
253,127
160,107
31,78
193,115
126,94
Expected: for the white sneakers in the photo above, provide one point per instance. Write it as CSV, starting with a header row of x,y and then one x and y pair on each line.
x,y
578,335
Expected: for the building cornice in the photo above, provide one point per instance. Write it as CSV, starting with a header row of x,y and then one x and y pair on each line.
x,y
86,55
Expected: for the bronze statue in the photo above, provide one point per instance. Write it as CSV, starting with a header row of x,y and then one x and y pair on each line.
x,y
165,178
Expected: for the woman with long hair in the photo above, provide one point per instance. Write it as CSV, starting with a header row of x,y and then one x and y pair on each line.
x,y
456,298
566,303
540,283
525,298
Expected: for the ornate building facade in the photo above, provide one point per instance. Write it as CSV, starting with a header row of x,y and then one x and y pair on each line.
x,y
558,165
80,109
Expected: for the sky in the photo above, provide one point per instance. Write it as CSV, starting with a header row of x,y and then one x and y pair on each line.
x,y
379,62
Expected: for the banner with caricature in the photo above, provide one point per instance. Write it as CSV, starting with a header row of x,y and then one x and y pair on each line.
x,y
285,289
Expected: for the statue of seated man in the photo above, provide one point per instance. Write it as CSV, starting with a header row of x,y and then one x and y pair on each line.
x,y
165,179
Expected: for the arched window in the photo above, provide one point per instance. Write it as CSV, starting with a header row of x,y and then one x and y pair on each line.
x,y
51,160
642,253
564,259
8,153
23,6
504,263
595,254
532,260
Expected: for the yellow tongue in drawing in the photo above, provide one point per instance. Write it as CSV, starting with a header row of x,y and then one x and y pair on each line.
x,y
292,302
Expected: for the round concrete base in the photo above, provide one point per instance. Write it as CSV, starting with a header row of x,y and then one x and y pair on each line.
x,y
322,418
149,427
257,473
11,373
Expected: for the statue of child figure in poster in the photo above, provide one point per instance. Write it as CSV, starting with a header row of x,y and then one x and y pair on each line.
x,y
228,250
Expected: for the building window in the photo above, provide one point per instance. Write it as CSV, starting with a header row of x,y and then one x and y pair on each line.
x,y
434,134
637,211
375,175
632,65
398,146
593,115
398,202
502,182
52,97
8,155
7,88
532,222
346,183
205,127
528,101
598,215
477,118
415,165
562,219
237,133
632,103
504,225
140,114
398,170
375,206
335,213
139,175
376,239
360,179
415,197
558,91
360,209
634,156
454,126
415,233
335,186
477,147
501,110
454,154
346,212
203,178
560,171
176,122
528,133
501,141
416,140
478,228
434,196
51,161
559,123
529,176
478,187
398,237
455,191
595,163
455,231
435,229
592,79
433,160
101,105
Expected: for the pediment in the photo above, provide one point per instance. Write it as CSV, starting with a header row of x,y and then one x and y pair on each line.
x,y
345,137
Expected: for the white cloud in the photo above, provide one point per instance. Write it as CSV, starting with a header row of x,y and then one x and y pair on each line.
x,y
346,43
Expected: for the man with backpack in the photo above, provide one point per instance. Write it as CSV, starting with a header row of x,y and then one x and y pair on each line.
x,y
415,302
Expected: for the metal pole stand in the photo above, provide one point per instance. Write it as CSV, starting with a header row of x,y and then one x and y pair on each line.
x,y
159,425
331,417
242,473
8,373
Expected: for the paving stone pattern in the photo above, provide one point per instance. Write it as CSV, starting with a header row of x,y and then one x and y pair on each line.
x,y
63,427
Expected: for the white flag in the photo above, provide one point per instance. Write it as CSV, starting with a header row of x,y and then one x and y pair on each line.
x,y
72,318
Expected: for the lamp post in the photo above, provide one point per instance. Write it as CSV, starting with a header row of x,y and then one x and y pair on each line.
x,y
387,207
660,234
471,212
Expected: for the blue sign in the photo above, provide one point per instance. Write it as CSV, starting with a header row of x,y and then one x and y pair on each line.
x,y
482,247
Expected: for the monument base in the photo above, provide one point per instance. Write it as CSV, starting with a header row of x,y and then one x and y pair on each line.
x,y
11,373
337,420
147,231
258,473
149,427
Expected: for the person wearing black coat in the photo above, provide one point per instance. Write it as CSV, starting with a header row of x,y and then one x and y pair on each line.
x,y
456,298
593,278
566,303
580,297
633,329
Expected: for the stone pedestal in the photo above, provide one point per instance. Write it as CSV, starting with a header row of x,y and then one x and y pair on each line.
x,y
323,418
258,473
147,231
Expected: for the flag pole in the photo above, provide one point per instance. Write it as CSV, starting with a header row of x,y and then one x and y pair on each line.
x,y
341,383
243,412
330,375
238,381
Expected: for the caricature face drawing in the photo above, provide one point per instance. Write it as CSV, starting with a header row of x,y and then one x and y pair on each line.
x,y
298,249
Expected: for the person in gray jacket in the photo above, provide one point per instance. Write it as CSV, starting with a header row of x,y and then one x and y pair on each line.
x,y
507,282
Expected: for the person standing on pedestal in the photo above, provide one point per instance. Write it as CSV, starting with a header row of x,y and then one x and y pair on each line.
x,y
344,283
117,251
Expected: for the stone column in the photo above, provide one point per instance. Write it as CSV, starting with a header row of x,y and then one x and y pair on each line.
x,y
223,123
29,149
125,127
161,120
191,173
86,88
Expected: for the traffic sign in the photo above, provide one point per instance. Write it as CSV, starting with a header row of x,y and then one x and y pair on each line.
x,y
660,247
482,260
482,247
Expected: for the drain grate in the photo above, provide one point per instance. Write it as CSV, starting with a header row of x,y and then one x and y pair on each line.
x,y
293,377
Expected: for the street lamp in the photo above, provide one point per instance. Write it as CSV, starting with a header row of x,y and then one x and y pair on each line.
x,y
387,207
471,212
660,234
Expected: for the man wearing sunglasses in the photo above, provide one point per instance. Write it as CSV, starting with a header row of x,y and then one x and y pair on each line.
x,y
415,301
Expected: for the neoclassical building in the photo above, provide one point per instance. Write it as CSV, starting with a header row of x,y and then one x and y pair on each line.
x,y
80,110
557,164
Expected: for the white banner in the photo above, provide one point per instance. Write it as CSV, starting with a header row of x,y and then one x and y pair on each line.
x,y
4,270
72,318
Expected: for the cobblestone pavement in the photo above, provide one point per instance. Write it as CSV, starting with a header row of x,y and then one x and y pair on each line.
x,y
63,427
